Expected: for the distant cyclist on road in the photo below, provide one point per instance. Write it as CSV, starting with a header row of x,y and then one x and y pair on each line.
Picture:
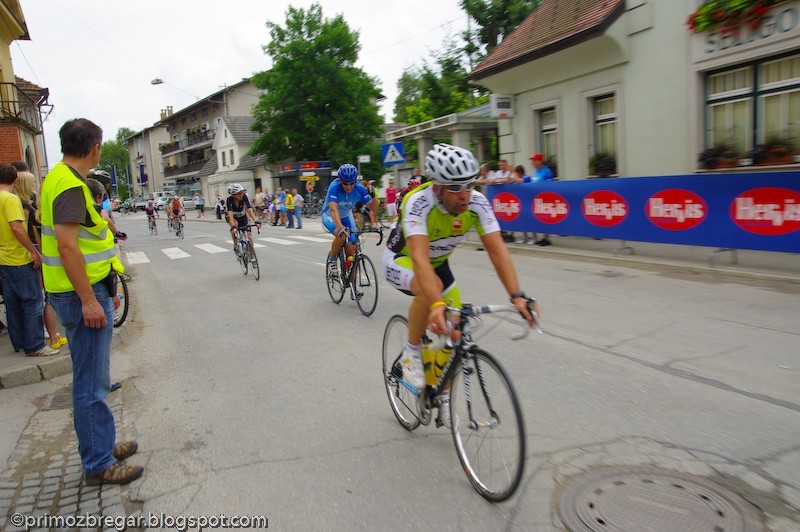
x,y
175,211
337,213
239,210
151,211
434,219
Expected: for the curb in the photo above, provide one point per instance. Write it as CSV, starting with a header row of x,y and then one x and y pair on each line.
x,y
51,367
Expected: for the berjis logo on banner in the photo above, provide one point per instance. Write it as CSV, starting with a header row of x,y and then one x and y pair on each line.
x,y
768,211
604,208
676,209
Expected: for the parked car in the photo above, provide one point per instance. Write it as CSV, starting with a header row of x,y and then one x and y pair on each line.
x,y
160,202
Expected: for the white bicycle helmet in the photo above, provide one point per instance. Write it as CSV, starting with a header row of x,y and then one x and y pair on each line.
x,y
451,165
234,188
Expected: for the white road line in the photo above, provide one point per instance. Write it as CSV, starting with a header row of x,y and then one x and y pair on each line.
x,y
279,241
310,238
175,253
211,248
255,244
136,257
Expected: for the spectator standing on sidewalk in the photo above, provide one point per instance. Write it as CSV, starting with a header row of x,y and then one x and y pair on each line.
x,y
299,201
24,188
19,260
200,205
289,210
541,172
391,199
78,259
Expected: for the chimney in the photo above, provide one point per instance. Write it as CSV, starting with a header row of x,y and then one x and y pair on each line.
x,y
163,114
169,110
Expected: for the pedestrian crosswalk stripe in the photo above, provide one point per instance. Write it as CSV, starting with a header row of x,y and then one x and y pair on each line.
x,y
279,241
255,244
211,248
175,253
136,257
310,238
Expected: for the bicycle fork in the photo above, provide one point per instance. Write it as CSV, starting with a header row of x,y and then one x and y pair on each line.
x,y
473,425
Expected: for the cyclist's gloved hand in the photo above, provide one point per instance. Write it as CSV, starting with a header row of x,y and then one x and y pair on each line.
x,y
342,232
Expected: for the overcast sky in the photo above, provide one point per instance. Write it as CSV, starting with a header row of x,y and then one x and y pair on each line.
x,y
98,57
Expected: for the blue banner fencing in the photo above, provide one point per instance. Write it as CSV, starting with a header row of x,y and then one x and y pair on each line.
x,y
741,211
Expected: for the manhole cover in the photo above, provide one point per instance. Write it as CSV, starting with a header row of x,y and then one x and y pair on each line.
x,y
59,401
637,498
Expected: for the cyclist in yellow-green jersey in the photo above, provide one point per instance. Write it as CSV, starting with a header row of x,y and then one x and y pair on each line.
x,y
434,219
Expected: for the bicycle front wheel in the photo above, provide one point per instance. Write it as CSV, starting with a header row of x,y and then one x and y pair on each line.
x,y
336,287
242,258
402,400
365,285
181,230
251,251
121,313
488,428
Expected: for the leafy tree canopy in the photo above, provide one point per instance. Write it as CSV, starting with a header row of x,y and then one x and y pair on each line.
x,y
115,152
495,19
315,103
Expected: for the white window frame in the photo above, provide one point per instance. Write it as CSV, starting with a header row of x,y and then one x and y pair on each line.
x,y
589,96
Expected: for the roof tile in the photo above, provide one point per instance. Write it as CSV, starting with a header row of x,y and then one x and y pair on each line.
x,y
555,25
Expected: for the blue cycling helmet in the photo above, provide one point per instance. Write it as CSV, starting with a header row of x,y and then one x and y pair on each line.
x,y
348,174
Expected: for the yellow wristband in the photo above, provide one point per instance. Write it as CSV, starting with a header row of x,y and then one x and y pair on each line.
x,y
438,304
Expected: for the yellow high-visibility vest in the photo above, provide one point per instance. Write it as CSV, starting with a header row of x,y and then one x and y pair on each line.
x,y
95,242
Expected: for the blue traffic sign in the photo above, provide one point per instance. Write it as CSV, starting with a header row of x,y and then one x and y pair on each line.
x,y
392,153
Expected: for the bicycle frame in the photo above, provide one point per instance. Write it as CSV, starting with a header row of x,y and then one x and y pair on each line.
x,y
462,348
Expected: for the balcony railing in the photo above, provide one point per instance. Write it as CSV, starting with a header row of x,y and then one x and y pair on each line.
x,y
178,170
193,141
17,106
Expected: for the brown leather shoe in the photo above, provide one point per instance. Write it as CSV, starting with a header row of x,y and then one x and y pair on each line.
x,y
118,473
125,450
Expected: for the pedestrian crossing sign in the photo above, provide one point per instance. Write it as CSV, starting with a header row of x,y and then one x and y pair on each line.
x,y
392,153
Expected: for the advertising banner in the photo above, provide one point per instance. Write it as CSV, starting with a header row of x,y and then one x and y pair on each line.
x,y
741,211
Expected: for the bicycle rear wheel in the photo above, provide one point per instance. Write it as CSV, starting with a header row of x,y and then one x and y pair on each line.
x,y
336,287
402,399
251,251
488,431
121,313
365,285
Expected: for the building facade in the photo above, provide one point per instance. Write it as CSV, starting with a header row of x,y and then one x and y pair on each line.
x,y
21,102
627,79
177,152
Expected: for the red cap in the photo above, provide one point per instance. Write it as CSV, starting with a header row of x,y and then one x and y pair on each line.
x,y
537,157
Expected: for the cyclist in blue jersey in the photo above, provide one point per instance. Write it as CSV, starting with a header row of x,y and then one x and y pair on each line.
x,y
337,213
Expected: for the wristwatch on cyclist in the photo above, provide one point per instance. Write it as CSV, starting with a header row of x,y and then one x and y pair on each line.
x,y
515,295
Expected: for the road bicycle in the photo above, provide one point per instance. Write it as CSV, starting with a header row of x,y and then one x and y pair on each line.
x,y
179,229
246,253
485,414
151,223
121,313
313,209
360,278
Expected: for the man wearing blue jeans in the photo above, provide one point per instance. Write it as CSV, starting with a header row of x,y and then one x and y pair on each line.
x,y
19,261
78,257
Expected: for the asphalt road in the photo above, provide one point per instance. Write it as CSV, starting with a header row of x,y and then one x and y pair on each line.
x,y
264,398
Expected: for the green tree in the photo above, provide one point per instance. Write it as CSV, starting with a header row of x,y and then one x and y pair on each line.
x,y
316,104
496,19
115,153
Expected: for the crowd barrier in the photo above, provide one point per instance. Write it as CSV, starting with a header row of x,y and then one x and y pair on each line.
x,y
759,211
